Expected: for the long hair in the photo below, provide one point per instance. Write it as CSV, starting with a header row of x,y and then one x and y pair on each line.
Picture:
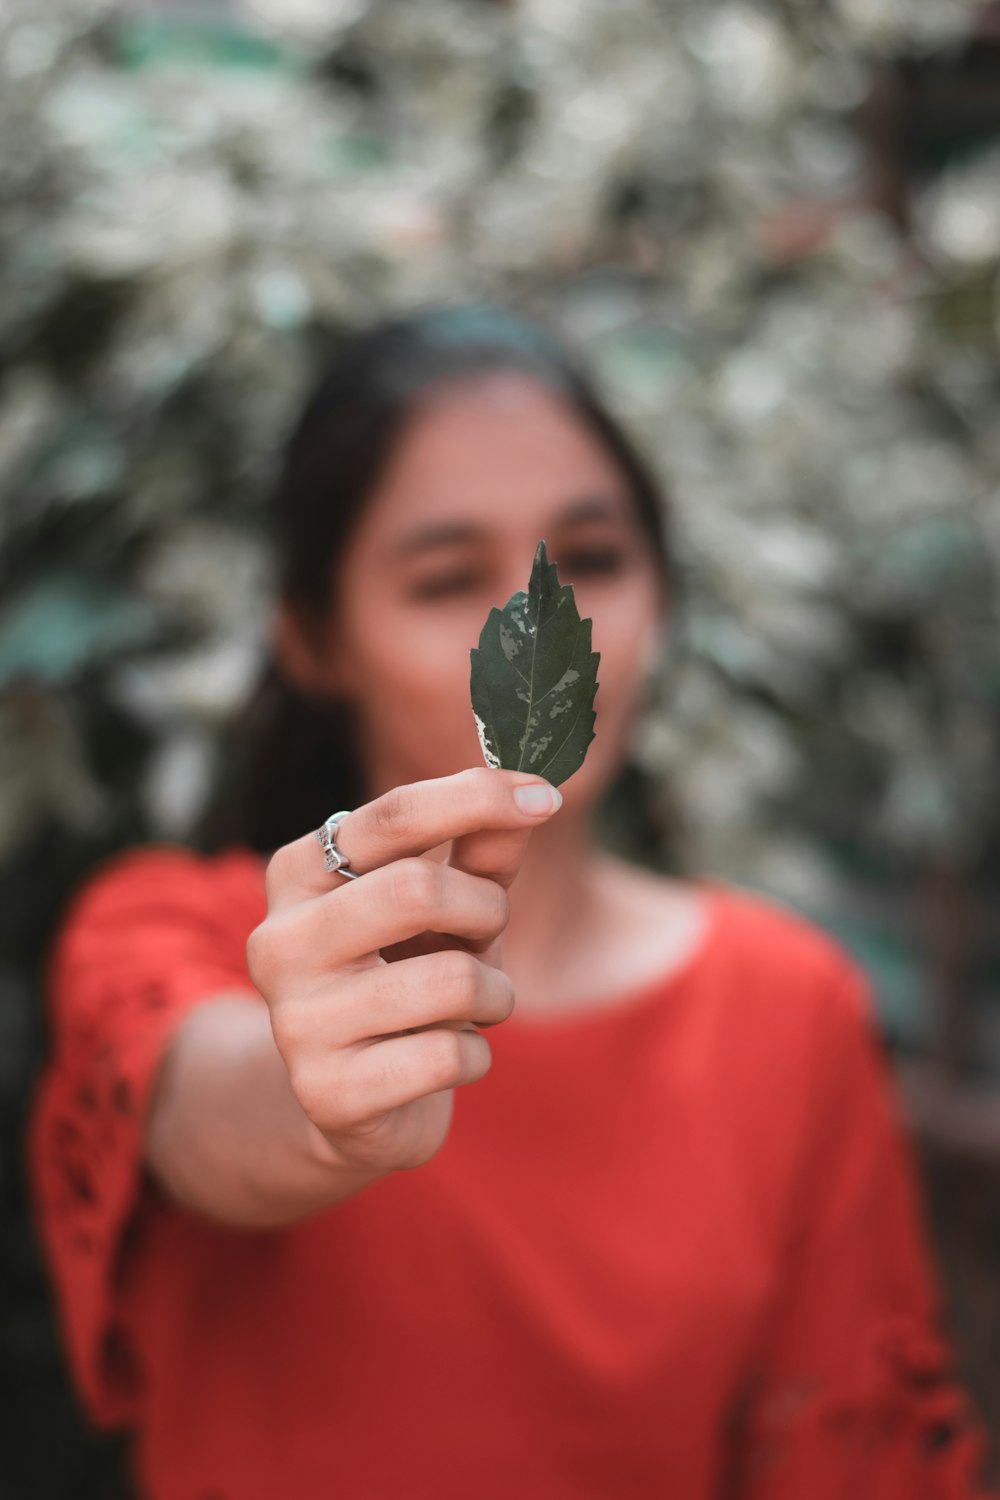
x,y
291,760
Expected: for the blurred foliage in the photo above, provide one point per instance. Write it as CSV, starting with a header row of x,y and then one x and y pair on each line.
x,y
192,203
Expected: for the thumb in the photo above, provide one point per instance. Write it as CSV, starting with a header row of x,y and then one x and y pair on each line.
x,y
496,853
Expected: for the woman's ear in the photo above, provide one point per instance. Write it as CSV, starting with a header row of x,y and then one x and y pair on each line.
x,y
299,656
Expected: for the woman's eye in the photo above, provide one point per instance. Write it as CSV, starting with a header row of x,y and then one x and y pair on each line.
x,y
570,565
433,588
590,562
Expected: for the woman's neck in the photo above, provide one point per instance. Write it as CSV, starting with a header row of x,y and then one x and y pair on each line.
x,y
551,899
555,908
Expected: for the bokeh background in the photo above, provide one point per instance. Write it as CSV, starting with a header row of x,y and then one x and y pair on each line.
x,y
773,229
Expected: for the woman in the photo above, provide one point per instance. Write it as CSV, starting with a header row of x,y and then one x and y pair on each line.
x,y
327,1213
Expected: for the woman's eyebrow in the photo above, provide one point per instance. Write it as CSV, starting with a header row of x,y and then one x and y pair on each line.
x,y
450,533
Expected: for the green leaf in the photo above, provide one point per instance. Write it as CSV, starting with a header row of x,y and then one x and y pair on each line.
x,y
534,679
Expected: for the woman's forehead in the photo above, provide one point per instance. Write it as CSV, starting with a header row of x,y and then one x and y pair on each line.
x,y
479,452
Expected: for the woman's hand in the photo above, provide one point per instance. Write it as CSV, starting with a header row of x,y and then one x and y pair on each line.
x,y
376,986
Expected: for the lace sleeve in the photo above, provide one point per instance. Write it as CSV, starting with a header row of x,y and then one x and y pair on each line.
x,y
854,1391
147,937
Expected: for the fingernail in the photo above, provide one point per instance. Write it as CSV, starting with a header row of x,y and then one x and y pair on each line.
x,y
537,799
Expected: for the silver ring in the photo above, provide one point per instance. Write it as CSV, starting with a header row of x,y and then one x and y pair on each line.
x,y
335,859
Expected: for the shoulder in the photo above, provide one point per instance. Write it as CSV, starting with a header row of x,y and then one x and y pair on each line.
x,y
774,939
766,948
783,982
765,976
791,1026
761,960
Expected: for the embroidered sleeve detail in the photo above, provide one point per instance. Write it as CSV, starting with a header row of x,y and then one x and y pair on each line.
x,y
904,1427
136,951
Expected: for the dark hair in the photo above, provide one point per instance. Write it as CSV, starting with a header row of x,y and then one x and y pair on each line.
x,y
298,757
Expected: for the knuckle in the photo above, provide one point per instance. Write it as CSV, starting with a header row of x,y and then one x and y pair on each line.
x,y
393,814
479,777
459,976
391,1072
485,788
314,1094
258,952
290,1029
325,1089
302,1081
276,873
415,883
270,956
442,1058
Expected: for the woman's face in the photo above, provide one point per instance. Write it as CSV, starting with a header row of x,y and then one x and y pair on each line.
x,y
481,473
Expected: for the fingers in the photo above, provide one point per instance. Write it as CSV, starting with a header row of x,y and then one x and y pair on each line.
x,y
475,807
388,906
380,1077
433,989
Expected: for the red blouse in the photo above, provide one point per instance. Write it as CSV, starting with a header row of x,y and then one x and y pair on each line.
x,y
671,1246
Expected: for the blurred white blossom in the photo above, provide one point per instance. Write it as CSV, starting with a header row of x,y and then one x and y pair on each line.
x,y
180,225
